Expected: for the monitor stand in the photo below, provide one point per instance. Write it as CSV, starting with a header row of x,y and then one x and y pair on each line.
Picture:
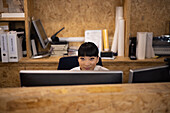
x,y
43,55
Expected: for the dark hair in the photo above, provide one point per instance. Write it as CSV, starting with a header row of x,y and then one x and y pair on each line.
x,y
88,49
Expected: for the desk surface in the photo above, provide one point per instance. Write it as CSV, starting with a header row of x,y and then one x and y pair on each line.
x,y
119,98
53,59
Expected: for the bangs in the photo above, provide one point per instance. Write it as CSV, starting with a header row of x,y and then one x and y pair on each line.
x,y
88,49
88,53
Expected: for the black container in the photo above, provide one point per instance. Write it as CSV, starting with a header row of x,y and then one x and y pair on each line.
x,y
132,48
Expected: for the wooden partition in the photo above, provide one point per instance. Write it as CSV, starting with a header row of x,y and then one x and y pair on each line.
x,y
80,15
120,98
9,73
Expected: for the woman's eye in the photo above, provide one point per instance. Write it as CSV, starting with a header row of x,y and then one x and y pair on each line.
x,y
91,59
82,59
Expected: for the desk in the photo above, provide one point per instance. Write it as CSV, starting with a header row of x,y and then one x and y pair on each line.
x,y
118,98
9,72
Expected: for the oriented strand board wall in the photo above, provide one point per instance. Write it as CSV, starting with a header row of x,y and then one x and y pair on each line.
x,y
149,16
76,16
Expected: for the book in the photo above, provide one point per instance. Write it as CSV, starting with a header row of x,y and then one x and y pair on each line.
x,y
59,46
12,15
4,26
58,53
14,47
4,47
73,51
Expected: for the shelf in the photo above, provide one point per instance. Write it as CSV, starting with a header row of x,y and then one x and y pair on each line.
x,y
12,19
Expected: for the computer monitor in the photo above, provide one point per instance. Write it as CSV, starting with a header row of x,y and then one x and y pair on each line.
x,y
63,77
41,33
149,75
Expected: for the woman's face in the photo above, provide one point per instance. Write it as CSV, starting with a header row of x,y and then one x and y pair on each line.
x,y
88,63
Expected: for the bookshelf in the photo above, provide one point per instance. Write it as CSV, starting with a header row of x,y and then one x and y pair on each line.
x,y
79,16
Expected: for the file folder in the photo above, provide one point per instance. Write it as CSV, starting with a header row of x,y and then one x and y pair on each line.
x,y
14,47
4,47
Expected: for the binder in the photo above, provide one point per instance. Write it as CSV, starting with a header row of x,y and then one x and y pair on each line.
x,y
14,47
141,45
34,49
4,47
149,53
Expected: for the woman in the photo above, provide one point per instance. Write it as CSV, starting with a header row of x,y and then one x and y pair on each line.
x,y
88,57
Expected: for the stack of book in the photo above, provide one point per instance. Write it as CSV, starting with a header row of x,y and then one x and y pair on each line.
x,y
59,49
73,51
4,26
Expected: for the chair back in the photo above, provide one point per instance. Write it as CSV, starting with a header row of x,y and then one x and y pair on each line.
x,y
67,63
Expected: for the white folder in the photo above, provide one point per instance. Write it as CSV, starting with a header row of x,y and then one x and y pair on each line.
x,y
141,45
4,47
14,47
149,49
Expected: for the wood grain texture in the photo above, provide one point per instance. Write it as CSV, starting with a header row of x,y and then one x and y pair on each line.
x,y
120,98
76,16
9,75
149,16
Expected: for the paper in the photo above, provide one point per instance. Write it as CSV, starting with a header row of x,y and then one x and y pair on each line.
x,y
121,38
94,36
119,15
115,41
72,39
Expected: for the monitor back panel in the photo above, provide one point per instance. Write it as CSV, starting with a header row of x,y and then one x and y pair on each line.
x,y
148,75
53,78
